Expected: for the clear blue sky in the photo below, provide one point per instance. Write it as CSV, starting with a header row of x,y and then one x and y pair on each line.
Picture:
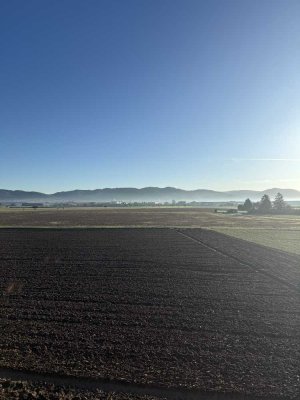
x,y
139,93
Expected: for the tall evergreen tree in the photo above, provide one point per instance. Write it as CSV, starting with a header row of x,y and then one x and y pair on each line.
x,y
248,205
265,204
279,204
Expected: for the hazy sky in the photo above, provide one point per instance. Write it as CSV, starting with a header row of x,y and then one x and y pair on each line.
x,y
139,93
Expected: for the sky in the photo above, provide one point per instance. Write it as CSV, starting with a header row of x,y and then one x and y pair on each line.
x,y
135,93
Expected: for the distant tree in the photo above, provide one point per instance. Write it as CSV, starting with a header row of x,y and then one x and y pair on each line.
x,y
279,204
248,205
265,204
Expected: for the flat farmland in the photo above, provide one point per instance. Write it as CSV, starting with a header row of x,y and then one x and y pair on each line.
x,y
152,312
140,217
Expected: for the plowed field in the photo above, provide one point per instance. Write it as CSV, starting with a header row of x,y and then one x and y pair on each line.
x,y
161,311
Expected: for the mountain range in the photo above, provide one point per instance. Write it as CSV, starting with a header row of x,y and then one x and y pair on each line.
x,y
144,194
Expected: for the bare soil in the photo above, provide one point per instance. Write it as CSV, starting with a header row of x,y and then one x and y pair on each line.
x,y
184,310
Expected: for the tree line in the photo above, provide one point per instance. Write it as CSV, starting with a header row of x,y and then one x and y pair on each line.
x,y
265,205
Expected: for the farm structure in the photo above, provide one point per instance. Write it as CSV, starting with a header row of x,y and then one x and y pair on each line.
x,y
158,311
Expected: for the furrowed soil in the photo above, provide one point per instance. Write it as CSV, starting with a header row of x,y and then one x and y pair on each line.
x,y
148,312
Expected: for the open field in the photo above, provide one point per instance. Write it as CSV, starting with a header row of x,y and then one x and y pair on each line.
x,y
140,217
280,232
162,311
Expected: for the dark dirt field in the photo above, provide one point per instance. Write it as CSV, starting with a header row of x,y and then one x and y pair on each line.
x,y
191,310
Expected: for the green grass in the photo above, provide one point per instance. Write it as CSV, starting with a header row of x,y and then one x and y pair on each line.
x,y
282,239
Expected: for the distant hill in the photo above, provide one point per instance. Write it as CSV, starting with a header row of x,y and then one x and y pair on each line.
x,y
144,194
